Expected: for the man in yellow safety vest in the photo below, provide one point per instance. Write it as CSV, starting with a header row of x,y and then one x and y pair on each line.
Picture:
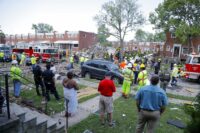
x,y
174,75
142,77
23,59
128,78
33,61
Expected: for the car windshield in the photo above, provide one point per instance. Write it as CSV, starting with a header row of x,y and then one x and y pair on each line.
x,y
188,59
113,67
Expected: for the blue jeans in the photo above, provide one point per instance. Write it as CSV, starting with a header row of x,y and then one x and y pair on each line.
x,y
174,81
17,87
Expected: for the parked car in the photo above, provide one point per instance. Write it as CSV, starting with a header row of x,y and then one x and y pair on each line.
x,y
98,68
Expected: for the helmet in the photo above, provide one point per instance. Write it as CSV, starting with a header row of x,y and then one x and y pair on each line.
x,y
175,64
142,66
129,65
14,62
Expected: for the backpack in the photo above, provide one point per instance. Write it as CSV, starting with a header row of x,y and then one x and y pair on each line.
x,y
37,70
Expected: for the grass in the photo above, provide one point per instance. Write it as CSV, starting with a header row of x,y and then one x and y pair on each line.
x,y
180,97
53,106
87,97
127,124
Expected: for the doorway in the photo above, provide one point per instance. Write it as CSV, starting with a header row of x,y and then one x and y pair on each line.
x,y
177,50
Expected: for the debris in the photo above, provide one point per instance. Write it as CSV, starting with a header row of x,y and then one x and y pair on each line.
x,y
123,115
87,131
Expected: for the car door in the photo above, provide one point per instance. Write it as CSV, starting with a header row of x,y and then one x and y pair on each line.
x,y
102,70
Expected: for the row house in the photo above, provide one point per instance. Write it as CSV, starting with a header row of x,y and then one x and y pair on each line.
x,y
173,48
76,40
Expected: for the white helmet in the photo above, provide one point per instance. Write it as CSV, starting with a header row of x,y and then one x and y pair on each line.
x,y
14,62
129,65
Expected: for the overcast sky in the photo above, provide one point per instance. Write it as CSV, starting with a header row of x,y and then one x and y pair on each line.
x,y
17,16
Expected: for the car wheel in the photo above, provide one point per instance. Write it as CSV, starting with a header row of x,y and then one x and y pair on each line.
x,y
87,75
116,81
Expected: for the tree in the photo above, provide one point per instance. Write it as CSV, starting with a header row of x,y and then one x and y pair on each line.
x,y
140,36
183,16
103,35
42,28
120,17
2,37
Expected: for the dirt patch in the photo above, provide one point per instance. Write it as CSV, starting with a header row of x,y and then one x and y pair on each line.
x,y
86,92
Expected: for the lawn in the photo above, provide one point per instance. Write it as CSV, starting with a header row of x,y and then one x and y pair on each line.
x,y
53,106
126,123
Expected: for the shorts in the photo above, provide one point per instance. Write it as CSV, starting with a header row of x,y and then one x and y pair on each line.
x,y
106,104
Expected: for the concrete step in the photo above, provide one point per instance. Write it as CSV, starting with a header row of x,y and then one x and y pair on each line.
x,y
29,124
41,123
18,111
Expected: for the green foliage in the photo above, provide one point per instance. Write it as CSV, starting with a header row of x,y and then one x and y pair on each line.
x,y
183,16
142,36
102,35
194,111
42,28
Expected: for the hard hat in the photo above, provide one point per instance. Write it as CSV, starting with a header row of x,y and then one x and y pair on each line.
x,y
175,64
129,65
142,66
14,62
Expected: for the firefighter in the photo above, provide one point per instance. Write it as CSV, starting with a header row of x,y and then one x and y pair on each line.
x,y
128,78
71,60
49,82
33,61
16,73
23,59
165,78
37,72
174,75
142,77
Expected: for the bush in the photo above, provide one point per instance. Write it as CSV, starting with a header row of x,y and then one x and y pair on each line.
x,y
193,126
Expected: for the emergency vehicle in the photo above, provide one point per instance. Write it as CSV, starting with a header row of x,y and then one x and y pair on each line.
x,y
7,52
192,67
39,50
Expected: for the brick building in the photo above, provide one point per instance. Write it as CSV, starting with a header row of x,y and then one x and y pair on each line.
x,y
77,40
173,47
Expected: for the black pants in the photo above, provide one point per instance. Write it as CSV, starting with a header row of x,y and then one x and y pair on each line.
x,y
1,103
50,87
135,77
39,82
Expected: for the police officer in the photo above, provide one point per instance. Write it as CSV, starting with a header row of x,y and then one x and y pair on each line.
x,y
16,73
37,72
49,82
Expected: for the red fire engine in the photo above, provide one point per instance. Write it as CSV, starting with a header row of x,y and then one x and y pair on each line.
x,y
39,50
192,67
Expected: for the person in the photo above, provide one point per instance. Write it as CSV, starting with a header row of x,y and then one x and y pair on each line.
x,y
53,68
136,69
122,64
1,56
142,77
106,88
70,88
23,59
82,60
16,73
174,75
14,56
49,82
33,61
156,68
164,79
1,100
71,60
128,77
111,57
151,102
37,72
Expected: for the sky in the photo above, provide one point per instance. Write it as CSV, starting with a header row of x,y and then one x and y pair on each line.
x,y
17,16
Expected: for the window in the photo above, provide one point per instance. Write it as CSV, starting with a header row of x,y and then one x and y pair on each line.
x,y
103,67
196,60
93,65
188,59
75,45
173,35
184,50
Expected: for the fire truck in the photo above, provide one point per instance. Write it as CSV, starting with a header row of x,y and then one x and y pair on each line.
x,y
192,67
39,50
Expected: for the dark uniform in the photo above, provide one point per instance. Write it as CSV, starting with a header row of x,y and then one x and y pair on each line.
x,y
164,79
48,78
37,71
